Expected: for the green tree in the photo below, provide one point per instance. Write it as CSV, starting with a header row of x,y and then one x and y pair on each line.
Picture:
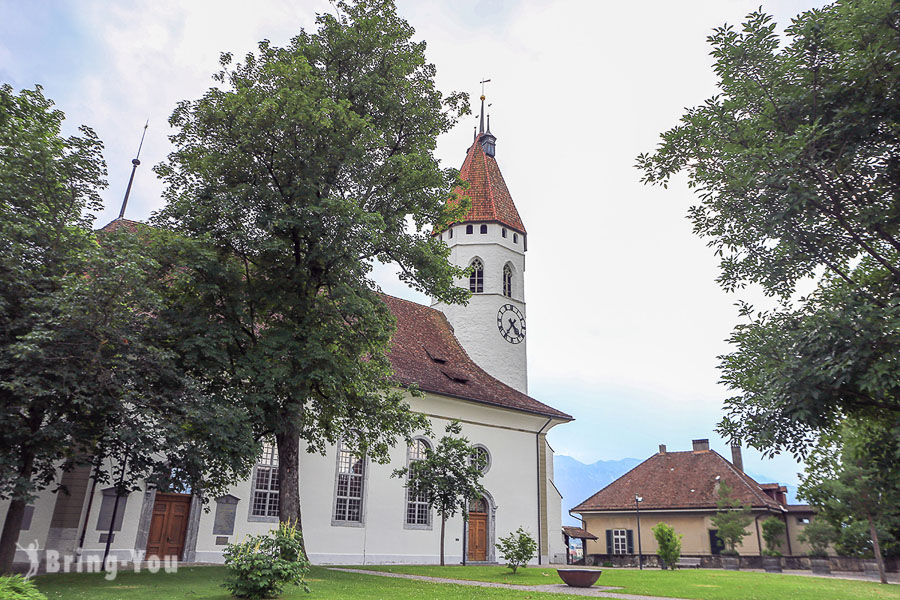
x,y
795,165
86,367
668,545
819,534
299,170
731,520
449,477
773,530
517,548
853,482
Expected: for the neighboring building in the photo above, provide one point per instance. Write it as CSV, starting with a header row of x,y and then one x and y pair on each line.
x,y
470,363
681,489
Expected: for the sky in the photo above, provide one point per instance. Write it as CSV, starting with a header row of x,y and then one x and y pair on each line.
x,y
625,320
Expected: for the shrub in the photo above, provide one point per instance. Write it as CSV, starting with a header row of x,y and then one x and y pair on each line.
x,y
16,587
818,534
517,548
669,545
262,566
772,530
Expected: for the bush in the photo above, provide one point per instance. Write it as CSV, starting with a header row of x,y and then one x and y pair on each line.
x,y
16,587
517,548
669,545
262,566
818,534
772,530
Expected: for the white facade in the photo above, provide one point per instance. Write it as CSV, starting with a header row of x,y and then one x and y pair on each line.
x,y
475,325
519,471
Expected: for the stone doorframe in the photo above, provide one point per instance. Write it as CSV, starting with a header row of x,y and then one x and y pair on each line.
x,y
489,534
189,554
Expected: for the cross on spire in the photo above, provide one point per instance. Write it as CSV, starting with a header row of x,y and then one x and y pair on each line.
x,y
481,121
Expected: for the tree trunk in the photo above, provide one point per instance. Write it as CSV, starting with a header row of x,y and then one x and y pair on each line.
x,y
288,445
443,526
12,525
877,547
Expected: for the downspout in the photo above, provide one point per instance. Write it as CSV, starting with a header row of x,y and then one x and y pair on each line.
x,y
537,447
787,534
758,537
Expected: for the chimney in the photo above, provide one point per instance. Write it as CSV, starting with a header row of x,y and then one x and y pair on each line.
x,y
701,445
736,458
662,448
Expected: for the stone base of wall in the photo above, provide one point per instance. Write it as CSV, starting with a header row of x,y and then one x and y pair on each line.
x,y
713,561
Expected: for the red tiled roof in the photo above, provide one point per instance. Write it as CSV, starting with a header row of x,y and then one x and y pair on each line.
x,y
425,352
676,480
128,224
491,200
578,532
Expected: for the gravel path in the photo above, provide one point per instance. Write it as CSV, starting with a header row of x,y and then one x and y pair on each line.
x,y
596,591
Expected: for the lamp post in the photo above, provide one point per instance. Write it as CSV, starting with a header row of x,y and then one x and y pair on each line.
x,y
637,508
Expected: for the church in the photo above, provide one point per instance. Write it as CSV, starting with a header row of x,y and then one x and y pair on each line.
x,y
470,363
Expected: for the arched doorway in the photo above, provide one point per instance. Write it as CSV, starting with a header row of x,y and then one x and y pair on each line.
x,y
480,530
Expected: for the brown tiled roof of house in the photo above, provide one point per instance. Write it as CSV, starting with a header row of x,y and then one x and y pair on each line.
x,y
578,532
678,480
491,200
128,224
425,352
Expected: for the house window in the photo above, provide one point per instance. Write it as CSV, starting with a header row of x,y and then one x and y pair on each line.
x,y
418,512
620,541
507,281
803,520
450,234
483,229
265,484
476,278
504,232
468,229
348,498
515,238
483,456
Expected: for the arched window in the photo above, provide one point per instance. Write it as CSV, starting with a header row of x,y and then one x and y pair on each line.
x,y
450,234
476,278
504,232
515,238
484,229
468,229
507,281
348,497
418,512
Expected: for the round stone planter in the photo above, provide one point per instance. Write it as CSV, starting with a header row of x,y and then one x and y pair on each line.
x,y
820,566
731,563
772,564
579,577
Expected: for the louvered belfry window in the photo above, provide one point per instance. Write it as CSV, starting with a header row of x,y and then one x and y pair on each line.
x,y
476,278
507,281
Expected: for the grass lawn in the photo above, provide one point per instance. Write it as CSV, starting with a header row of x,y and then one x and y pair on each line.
x,y
204,583
701,584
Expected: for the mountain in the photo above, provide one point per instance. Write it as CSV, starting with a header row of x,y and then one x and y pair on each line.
x,y
577,481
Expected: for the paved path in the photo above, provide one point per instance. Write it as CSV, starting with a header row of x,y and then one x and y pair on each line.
x,y
596,591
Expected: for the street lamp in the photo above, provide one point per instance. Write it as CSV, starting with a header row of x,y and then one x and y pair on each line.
x,y
637,508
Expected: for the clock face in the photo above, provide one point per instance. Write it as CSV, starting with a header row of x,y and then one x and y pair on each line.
x,y
511,323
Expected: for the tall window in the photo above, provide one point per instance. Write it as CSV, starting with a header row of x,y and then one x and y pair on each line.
x,y
507,281
348,501
476,278
620,541
265,483
417,510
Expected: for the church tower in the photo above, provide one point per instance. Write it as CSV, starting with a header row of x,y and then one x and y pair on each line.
x,y
491,239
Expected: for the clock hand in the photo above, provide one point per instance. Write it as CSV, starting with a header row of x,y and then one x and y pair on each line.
x,y
512,324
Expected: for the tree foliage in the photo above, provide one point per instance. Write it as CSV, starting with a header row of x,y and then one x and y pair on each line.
x,y
797,171
668,545
303,167
87,369
773,530
731,520
449,477
517,548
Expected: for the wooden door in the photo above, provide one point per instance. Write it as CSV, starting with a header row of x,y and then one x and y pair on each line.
x,y
168,527
477,536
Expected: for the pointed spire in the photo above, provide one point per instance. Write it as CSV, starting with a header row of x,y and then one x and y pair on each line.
x,y
481,120
135,162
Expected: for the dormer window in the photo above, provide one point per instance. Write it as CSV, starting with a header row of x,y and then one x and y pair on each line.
x,y
469,229
483,229
476,277
507,281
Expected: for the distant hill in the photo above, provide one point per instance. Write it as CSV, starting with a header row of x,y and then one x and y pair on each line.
x,y
577,481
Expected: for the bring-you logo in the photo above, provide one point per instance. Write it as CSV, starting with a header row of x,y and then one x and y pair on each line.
x,y
57,562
